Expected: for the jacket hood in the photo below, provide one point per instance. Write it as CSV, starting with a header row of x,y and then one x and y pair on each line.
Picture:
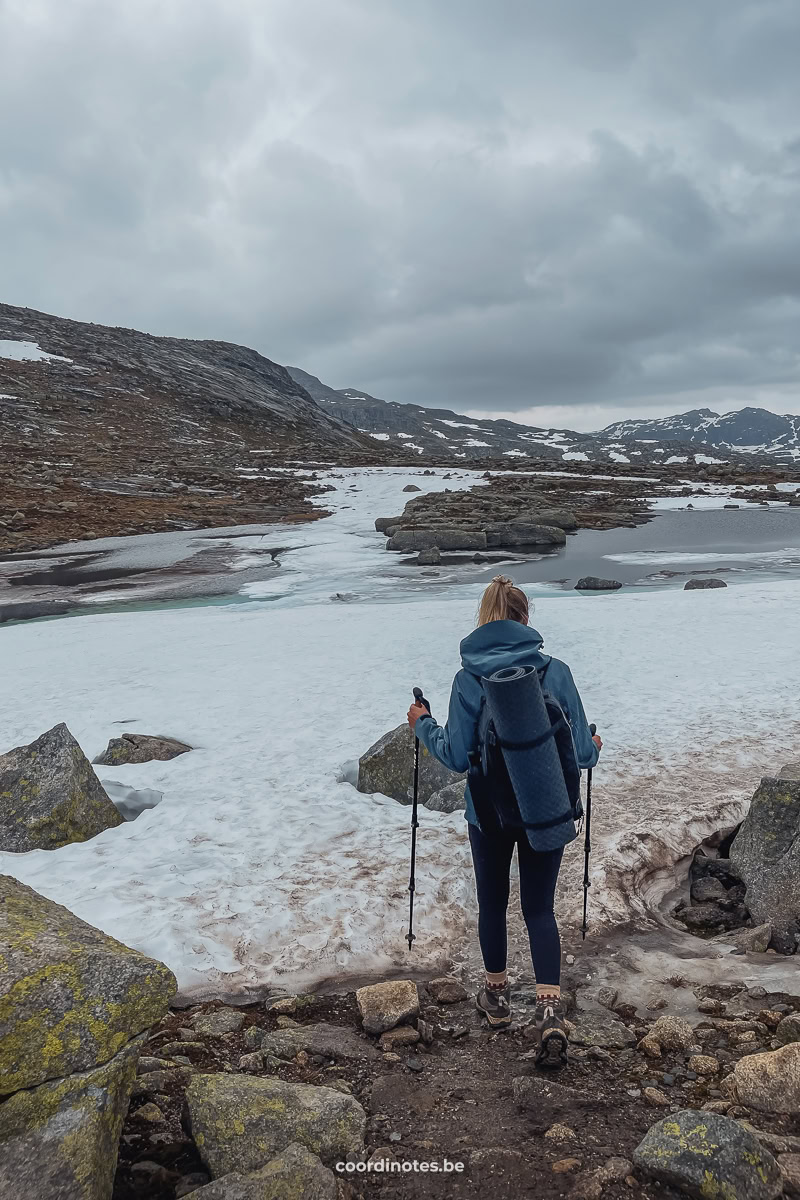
x,y
500,644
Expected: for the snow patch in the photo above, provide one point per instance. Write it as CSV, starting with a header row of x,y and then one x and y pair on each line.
x,y
18,351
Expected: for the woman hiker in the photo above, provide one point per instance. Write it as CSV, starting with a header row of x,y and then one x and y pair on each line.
x,y
504,639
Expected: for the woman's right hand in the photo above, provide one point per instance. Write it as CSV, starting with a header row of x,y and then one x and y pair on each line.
x,y
598,741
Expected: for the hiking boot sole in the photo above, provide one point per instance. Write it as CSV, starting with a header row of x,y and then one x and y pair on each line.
x,y
553,1053
495,1022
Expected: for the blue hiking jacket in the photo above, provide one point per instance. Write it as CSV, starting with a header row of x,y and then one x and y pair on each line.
x,y
489,648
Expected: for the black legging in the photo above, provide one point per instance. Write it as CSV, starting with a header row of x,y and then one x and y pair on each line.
x,y
538,872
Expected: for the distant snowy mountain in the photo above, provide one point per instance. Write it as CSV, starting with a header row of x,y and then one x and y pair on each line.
x,y
443,433
701,436
748,431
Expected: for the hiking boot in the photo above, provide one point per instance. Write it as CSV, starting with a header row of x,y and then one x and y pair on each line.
x,y
495,1006
551,1035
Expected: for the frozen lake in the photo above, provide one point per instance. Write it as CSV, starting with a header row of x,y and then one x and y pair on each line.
x,y
343,555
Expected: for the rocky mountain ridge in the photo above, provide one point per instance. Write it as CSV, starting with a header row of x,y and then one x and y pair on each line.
x,y
106,430
443,434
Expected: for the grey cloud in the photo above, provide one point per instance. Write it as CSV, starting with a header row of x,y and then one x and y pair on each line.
x,y
501,207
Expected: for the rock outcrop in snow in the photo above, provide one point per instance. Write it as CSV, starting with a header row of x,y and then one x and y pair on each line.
x,y
387,767
50,796
766,852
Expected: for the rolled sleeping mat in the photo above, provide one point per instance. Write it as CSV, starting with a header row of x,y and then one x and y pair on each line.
x,y
522,722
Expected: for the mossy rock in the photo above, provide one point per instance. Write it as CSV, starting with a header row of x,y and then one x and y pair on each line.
x,y
388,767
709,1156
295,1174
70,996
60,1139
50,796
240,1122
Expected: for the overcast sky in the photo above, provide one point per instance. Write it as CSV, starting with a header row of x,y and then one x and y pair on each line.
x,y
562,210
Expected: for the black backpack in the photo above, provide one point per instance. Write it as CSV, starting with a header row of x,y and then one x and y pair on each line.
x,y
493,796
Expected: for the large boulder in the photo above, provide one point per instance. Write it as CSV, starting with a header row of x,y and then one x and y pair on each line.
x,y
769,1082
790,771
50,796
444,539
140,748
517,533
295,1174
60,1139
766,852
70,996
705,1154
240,1122
561,517
451,798
388,767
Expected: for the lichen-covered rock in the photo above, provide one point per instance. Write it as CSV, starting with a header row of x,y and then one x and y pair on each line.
x,y
59,1140
140,748
331,1041
384,1005
50,796
240,1122
295,1174
450,799
70,996
769,1082
596,1026
388,768
766,852
708,1155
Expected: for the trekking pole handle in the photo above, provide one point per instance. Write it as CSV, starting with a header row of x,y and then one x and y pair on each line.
x,y
592,729
420,699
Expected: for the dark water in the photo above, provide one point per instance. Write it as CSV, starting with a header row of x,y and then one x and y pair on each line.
x,y
735,545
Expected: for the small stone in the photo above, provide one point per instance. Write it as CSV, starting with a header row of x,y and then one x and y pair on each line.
x,y
253,1037
667,1079
301,1058
703,1064
714,1008
566,1166
570,960
414,1063
447,990
655,1098
770,1017
287,1023
384,1005
391,1057
395,1137
672,1033
650,1047
560,1133
401,1035
147,1063
769,1082
252,1062
149,1112
382,1154
716,1106
219,1021
286,1006
172,1049
426,1031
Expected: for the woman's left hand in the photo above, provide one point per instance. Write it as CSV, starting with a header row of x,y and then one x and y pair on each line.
x,y
415,712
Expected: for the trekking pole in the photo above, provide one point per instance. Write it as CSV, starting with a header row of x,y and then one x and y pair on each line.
x,y
418,699
587,844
